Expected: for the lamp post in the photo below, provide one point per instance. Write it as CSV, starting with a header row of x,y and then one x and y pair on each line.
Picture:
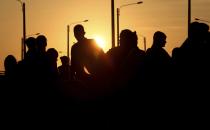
x,y
112,23
68,36
144,42
23,46
189,17
118,18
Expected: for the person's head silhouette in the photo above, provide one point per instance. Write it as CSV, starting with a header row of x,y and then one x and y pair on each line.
x,y
79,32
10,64
65,60
128,38
41,43
159,39
31,43
52,54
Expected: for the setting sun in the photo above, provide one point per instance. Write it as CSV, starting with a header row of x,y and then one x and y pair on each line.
x,y
100,41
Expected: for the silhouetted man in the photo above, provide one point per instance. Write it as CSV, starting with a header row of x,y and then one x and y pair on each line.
x,y
85,55
158,61
41,44
32,49
128,50
157,54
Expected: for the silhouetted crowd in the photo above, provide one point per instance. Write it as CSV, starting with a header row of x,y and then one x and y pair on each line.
x,y
124,88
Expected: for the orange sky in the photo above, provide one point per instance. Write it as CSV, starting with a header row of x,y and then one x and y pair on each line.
x,y
50,17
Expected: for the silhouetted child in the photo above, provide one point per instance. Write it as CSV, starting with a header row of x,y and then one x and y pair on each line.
x,y
10,65
65,72
52,70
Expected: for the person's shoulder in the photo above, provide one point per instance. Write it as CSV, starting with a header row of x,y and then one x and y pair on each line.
x,y
75,48
91,41
151,52
113,50
141,51
164,52
75,45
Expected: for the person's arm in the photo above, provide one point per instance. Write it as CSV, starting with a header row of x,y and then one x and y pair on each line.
x,y
73,61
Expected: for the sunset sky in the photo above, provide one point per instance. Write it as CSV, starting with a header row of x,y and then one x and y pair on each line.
x,y
51,17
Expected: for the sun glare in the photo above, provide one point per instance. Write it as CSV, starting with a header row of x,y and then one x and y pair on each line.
x,y
100,41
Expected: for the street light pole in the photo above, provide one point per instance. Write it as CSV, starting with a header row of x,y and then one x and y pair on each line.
x,y
118,28
68,29
118,19
24,30
112,23
68,36
189,17
145,44
23,46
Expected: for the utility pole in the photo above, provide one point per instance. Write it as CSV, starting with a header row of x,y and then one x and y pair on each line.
x,y
113,23
118,19
118,27
68,29
145,44
189,17
23,39
24,31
